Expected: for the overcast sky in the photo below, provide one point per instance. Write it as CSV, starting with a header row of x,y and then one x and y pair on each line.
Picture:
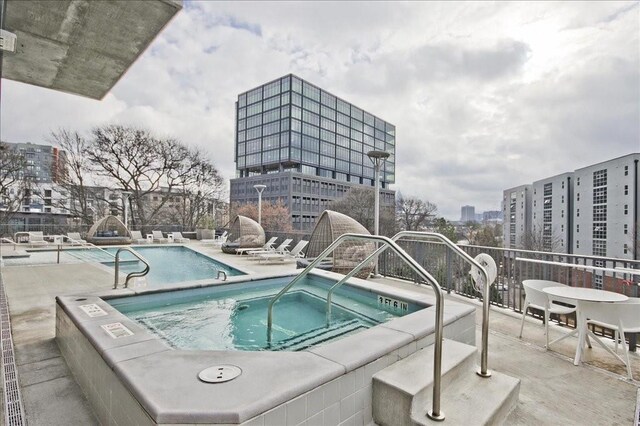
x,y
484,96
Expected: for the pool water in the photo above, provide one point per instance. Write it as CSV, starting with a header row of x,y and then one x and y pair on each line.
x,y
234,317
168,264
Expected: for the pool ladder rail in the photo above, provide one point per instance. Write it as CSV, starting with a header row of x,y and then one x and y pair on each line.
x,y
130,275
384,243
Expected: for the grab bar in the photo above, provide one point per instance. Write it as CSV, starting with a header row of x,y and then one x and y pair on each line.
x,y
484,356
142,273
435,413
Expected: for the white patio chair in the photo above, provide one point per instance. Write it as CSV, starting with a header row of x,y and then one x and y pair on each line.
x,y
158,237
266,247
537,299
137,237
621,317
37,237
295,254
178,238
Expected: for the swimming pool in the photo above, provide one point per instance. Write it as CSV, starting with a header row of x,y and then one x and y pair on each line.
x,y
170,264
233,317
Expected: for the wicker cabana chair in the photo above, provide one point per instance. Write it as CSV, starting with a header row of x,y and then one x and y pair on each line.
x,y
107,231
244,233
345,257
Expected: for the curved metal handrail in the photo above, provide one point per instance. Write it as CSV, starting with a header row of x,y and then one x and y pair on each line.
x,y
87,245
484,357
142,273
435,413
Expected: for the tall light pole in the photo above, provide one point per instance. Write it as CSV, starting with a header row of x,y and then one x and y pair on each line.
x,y
260,188
125,200
377,158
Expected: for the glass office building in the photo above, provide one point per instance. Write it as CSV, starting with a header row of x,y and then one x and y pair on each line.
x,y
291,126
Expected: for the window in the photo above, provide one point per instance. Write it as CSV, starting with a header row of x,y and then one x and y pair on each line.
x,y
625,248
626,209
600,178
599,248
577,212
600,213
626,190
626,170
577,196
626,229
600,195
578,229
600,230
577,181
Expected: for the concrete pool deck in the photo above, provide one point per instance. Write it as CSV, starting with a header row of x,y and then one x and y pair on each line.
x,y
553,391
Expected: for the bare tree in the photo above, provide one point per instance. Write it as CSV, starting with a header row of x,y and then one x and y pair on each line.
x,y
138,162
358,203
540,238
197,191
13,187
84,198
275,216
414,214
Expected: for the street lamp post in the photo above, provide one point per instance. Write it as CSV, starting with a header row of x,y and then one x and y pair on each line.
x,y
260,188
377,158
125,200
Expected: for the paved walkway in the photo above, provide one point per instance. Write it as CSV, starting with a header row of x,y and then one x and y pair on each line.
x,y
553,391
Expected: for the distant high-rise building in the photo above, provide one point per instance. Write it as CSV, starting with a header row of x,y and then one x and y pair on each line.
x,y
468,214
308,147
492,216
43,163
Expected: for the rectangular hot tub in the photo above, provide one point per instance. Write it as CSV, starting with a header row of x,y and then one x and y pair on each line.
x,y
138,357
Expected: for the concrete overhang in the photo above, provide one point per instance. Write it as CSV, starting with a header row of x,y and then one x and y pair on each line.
x,y
81,47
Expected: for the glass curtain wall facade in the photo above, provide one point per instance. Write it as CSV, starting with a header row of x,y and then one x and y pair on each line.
x,y
290,124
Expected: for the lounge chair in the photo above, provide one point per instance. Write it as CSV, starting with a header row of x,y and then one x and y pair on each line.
x,y
282,248
136,236
292,256
220,241
178,238
37,238
158,237
75,238
267,246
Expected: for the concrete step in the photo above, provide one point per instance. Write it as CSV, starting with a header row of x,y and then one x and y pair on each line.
x,y
402,393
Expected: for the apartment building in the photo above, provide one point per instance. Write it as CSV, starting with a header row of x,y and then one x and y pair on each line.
x,y
516,207
593,210
308,146
551,212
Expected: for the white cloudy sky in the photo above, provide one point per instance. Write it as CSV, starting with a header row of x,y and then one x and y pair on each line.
x,y
484,95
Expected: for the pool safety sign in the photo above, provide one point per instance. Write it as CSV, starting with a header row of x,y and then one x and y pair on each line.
x,y
116,330
392,304
93,310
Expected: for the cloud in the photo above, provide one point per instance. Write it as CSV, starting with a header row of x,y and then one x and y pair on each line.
x,y
484,96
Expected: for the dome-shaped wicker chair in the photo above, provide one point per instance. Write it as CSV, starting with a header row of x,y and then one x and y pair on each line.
x,y
347,255
244,233
107,231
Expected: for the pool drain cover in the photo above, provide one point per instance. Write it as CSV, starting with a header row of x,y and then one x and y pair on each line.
x,y
219,373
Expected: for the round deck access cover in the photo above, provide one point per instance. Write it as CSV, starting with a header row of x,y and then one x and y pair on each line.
x,y
219,373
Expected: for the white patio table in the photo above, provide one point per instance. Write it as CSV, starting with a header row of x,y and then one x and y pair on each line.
x,y
580,294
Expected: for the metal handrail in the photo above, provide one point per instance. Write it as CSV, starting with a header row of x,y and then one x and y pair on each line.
x,y
142,273
435,413
484,353
88,245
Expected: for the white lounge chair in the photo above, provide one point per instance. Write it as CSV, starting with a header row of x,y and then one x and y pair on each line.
x,y
75,238
136,236
178,238
158,237
37,238
295,254
282,248
267,246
